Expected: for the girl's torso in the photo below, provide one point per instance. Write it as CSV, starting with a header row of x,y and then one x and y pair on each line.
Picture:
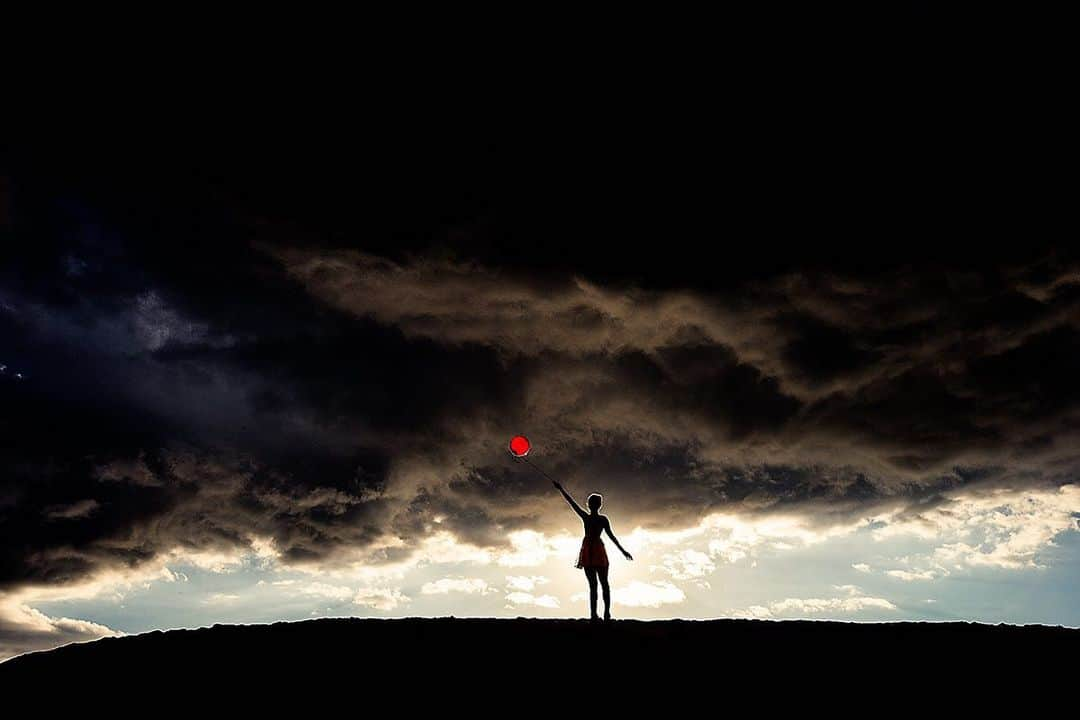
x,y
594,525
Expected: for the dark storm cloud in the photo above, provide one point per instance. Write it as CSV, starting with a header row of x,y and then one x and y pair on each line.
x,y
158,418
323,366
901,376
819,352
193,454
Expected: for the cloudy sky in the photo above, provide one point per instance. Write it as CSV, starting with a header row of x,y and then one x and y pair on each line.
x,y
818,374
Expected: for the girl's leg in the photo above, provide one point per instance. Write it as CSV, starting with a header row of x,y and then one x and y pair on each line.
x,y
590,573
602,572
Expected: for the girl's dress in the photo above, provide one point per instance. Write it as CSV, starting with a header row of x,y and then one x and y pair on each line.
x,y
592,554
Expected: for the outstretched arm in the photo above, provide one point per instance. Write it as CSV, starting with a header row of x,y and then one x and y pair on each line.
x,y
577,508
607,528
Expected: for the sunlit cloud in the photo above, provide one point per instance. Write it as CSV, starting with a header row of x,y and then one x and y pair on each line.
x,y
325,590
730,538
380,598
687,565
444,547
260,550
1000,528
445,586
795,607
531,548
518,598
909,576
648,594
525,583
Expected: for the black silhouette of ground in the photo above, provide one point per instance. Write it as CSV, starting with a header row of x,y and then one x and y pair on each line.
x,y
447,662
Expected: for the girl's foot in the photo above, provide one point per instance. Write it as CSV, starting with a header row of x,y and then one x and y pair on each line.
x,y
594,618
607,617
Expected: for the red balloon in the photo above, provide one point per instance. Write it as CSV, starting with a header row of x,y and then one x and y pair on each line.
x,y
519,446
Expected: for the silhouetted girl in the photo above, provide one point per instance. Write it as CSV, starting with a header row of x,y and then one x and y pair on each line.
x,y
593,557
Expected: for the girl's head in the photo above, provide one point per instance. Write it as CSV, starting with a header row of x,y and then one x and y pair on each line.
x,y
595,501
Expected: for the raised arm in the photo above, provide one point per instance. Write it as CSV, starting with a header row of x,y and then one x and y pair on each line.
x,y
577,508
607,528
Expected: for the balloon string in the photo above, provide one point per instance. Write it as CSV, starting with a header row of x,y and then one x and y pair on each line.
x,y
537,469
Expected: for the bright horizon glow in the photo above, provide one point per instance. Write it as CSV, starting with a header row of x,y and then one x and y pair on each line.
x,y
889,567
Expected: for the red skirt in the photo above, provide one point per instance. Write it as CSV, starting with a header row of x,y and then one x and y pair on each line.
x,y
593,554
